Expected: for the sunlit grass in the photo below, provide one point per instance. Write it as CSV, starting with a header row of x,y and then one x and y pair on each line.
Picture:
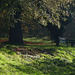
x,y
38,40
53,60
58,61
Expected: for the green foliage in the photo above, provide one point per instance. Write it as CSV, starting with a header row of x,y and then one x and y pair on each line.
x,y
52,61
38,40
56,12
42,11
52,11
4,50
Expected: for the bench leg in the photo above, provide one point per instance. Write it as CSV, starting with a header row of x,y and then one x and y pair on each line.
x,y
72,44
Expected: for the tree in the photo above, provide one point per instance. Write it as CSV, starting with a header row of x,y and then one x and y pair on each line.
x,y
13,11
46,12
54,14
55,32
15,35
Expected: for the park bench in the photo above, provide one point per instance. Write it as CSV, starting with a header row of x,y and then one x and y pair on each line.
x,y
68,42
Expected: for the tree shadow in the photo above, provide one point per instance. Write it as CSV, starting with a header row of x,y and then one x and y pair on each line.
x,y
27,69
48,67
57,67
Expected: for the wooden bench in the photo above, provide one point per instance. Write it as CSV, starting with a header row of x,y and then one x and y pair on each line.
x,y
67,41
71,42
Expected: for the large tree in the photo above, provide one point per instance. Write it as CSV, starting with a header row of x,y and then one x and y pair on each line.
x,y
50,13
15,35
12,9
54,14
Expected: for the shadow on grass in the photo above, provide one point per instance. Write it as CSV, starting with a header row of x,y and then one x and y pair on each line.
x,y
27,69
30,49
47,67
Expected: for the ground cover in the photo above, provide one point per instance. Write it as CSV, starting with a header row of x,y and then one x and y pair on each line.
x,y
36,60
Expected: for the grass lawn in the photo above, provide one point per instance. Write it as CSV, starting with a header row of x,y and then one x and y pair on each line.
x,y
37,40
36,60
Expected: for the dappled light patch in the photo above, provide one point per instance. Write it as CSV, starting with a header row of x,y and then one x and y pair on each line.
x,y
3,40
35,43
31,51
4,50
37,60
30,43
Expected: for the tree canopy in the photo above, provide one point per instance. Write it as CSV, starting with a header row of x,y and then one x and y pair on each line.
x,y
42,11
53,12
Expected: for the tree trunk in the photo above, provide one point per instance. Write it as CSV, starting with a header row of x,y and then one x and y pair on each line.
x,y
57,41
54,33
15,34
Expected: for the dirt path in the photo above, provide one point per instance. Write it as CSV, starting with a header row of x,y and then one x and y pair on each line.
x,y
3,40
